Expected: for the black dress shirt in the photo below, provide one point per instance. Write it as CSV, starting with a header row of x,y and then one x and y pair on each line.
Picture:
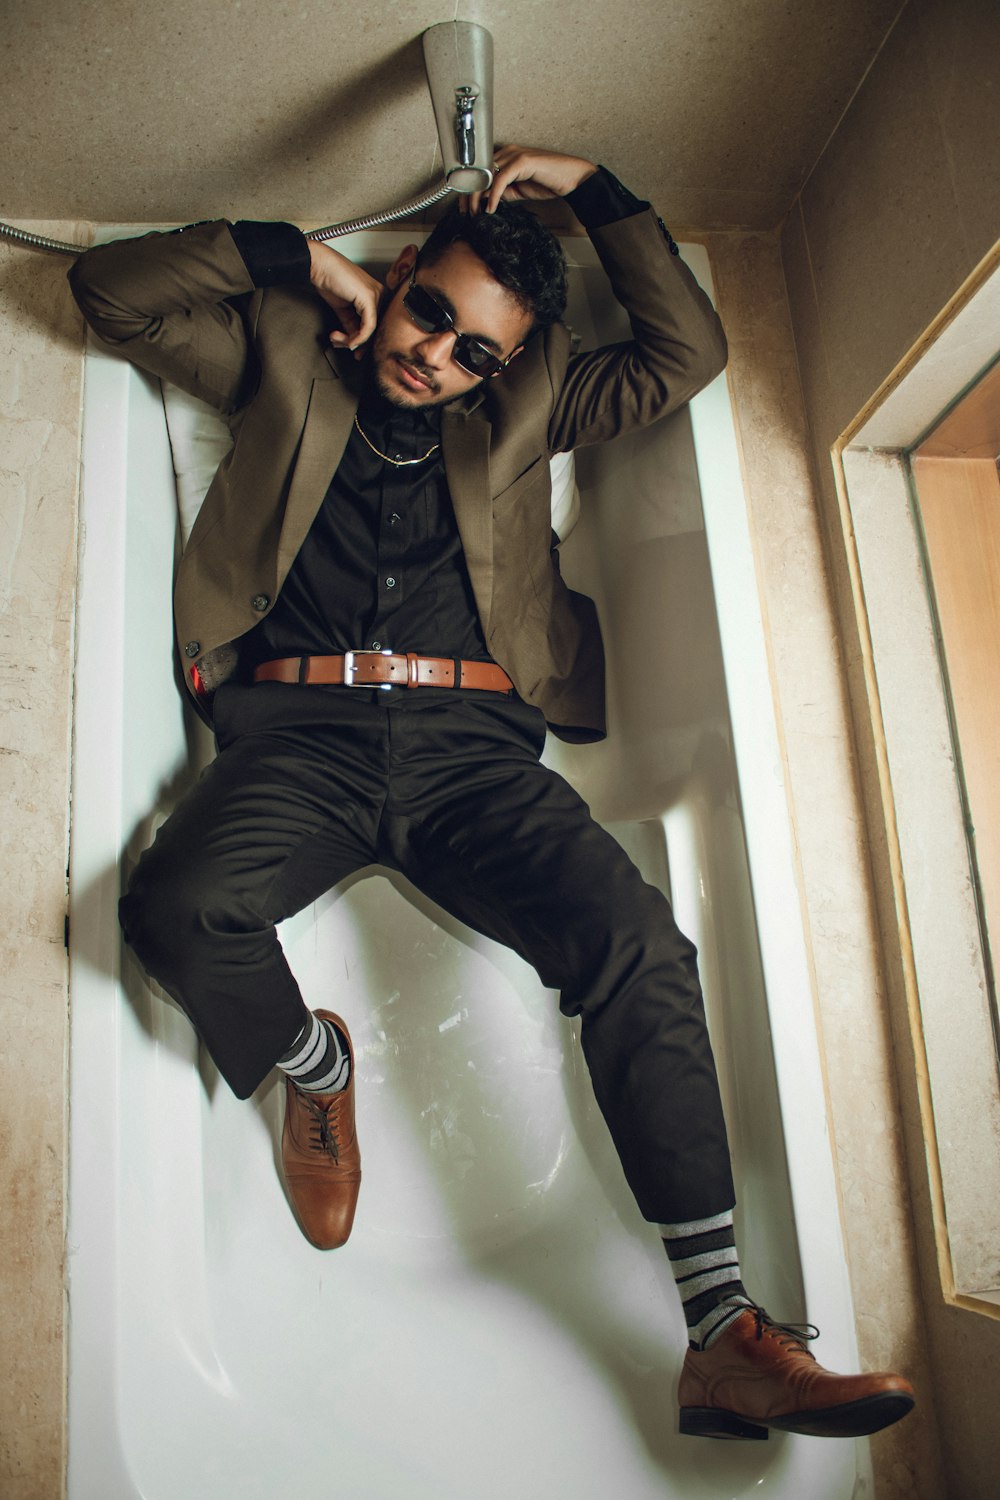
x,y
382,565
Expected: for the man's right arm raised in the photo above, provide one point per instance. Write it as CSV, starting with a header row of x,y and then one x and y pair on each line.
x,y
181,304
174,304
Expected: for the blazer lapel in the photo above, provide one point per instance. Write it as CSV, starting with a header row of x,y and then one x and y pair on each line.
x,y
465,444
324,436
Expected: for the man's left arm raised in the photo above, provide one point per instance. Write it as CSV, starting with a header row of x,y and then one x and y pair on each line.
x,y
677,345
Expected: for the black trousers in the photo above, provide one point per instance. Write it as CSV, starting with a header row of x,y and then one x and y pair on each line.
x,y
311,784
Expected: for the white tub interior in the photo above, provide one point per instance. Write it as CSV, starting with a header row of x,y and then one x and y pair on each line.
x,y
501,1322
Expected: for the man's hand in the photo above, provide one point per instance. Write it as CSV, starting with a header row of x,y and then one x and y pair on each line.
x,y
350,291
526,172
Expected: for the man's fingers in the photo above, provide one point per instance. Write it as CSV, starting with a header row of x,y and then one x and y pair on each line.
x,y
510,164
504,163
357,322
367,317
349,290
528,172
516,165
358,319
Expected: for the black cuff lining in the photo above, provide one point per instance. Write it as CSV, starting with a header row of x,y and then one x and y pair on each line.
x,y
274,254
601,199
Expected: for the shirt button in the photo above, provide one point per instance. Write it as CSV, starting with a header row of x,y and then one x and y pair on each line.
x,y
192,648
376,645
260,603
390,583
393,519
398,457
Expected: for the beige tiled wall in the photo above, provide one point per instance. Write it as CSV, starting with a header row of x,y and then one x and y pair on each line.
x,y
902,207
903,204
41,363
807,678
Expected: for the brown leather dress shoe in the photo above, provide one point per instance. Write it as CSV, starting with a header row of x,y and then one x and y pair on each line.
x,y
320,1157
759,1374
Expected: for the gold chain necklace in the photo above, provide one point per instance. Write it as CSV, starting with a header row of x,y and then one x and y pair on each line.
x,y
397,463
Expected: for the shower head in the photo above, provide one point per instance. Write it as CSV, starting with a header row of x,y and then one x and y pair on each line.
x,y
458,56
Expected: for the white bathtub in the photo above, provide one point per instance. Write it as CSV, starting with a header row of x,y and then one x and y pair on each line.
x,y
502,1322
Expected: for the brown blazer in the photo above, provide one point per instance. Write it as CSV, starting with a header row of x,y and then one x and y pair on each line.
x,y
264,360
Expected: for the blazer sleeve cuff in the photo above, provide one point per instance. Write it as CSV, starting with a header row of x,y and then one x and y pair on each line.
x,y
601,199
274,254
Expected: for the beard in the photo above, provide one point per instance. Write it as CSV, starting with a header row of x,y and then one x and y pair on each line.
x,y
407,400
383,359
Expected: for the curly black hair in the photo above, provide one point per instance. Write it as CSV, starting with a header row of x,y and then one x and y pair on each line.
x,y
517,250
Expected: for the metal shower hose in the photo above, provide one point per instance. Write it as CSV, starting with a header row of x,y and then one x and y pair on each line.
x,y
330,232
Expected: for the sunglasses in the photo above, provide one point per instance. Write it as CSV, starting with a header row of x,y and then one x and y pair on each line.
x,y
430,317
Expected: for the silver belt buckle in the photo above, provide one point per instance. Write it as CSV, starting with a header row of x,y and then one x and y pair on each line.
x,y
349,679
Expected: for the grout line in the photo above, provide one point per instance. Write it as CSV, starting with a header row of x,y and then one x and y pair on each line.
x,y
847,107
817,305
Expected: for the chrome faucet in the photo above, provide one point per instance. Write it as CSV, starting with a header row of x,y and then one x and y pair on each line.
x,y
465,125
458,56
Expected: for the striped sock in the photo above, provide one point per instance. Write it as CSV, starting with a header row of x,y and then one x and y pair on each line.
x,y
318,1061
706,1268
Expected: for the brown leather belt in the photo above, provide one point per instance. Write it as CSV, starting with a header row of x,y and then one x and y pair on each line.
x,y
385,669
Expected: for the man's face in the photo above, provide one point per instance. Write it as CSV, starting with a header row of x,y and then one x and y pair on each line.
x,y
414,368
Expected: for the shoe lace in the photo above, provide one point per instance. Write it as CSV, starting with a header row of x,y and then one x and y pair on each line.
x,y
791,1335
324,1127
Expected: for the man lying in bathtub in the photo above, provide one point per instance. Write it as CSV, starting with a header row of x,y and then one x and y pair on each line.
x,y
370,611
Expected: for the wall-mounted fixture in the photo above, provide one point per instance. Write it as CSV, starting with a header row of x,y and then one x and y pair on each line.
x,y
458,56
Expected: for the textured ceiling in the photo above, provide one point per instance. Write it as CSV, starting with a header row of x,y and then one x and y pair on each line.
x,y
164,111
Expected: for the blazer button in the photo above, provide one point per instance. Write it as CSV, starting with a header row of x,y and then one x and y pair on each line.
x,y
260,602
671,242
192,648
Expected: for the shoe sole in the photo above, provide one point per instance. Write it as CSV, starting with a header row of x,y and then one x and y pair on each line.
x,y
853,1419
